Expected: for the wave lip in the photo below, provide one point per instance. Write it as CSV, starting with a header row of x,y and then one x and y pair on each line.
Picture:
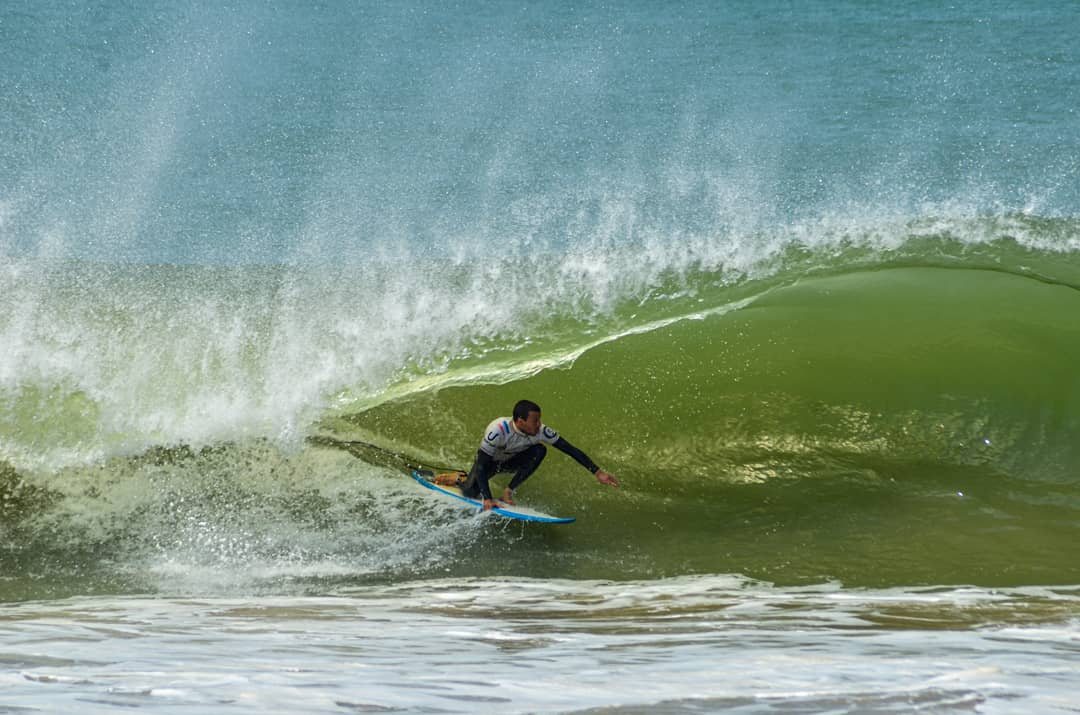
x,y
106,360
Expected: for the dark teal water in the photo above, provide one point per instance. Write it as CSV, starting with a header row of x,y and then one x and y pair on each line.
x,y
254,133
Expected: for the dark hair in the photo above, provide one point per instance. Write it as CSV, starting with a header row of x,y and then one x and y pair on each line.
x,y
523,408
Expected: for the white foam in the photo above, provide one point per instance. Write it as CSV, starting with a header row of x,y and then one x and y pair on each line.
x,y
640,644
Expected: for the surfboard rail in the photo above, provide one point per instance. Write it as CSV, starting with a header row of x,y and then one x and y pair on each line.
x,y
506,510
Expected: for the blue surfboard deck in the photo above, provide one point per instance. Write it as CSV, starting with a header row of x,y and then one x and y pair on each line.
x,y
521,513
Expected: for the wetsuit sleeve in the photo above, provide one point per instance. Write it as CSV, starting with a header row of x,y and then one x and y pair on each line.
x,y
580,457
483,470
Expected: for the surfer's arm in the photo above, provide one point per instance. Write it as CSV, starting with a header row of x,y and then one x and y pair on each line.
x,y
583,459
576,454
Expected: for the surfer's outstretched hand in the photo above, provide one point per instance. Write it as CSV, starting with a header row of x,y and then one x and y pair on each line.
x,y
605,478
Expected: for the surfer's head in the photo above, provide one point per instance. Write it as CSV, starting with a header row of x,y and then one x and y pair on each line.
x,y
527,417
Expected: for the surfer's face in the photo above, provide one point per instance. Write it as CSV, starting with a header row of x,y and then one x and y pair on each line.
x,y
530,425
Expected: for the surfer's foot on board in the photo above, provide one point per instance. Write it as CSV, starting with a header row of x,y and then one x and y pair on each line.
x,y
451,479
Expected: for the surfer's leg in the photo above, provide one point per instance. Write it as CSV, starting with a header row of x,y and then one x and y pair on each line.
x,y
525,463
471,487
483,469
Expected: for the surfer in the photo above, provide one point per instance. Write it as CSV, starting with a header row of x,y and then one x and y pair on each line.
x,y
517,444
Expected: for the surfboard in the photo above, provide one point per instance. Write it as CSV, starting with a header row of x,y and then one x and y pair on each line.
x,y
522,513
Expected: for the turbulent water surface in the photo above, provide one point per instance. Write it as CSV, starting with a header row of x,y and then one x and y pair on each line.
x,y
806,278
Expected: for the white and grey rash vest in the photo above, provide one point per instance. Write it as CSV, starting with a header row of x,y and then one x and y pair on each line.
x,y
502,440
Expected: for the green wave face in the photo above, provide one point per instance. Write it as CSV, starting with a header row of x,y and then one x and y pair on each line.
x,y
849,410
895,426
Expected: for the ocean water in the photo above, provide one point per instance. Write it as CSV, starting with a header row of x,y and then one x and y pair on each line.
x,y
805,276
